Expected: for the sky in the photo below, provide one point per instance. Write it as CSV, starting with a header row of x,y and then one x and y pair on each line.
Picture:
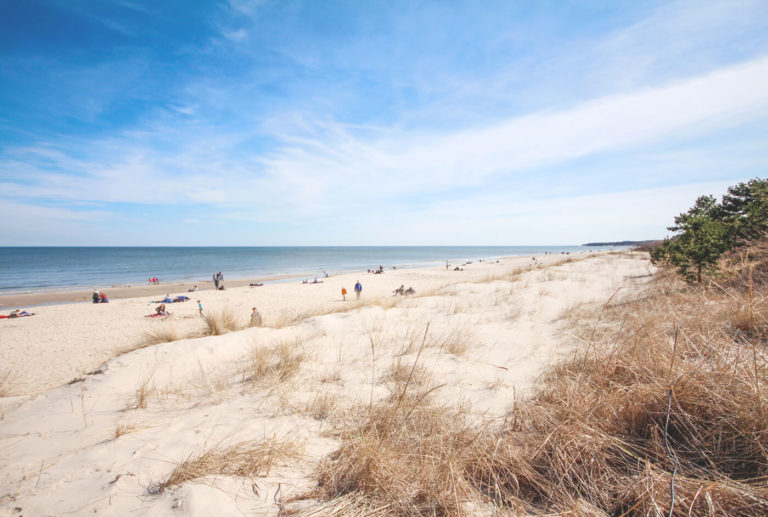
x,y
269,123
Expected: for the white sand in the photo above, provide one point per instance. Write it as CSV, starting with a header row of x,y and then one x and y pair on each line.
x,y
58,451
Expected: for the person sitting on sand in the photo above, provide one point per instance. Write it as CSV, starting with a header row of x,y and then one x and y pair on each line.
x,y
104,298
96,296
160,310
410,291
255,318
400,290
193,290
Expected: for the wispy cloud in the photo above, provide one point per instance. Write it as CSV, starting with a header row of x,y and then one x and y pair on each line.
x,y
332,162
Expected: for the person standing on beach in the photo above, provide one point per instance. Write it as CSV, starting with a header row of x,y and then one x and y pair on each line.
x,y
216,280
255,318
200,306
344,293
358,289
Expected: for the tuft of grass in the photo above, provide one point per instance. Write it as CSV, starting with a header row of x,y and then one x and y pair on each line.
x,y
399,373
143,393
123,429
322,406
6,382
247,459
331,377
403,458
455,341
166,332
221,322
269,366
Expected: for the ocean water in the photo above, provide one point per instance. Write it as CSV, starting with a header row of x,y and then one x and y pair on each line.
x,y
30,269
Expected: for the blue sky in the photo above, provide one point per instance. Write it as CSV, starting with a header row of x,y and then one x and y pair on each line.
x,y
373,123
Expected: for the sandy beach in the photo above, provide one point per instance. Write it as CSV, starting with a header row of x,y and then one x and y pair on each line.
x,y
93,420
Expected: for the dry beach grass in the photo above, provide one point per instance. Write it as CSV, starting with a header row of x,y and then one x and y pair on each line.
x,y
661,411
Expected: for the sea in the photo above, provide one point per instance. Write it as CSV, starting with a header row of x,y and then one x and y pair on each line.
x,y
35,269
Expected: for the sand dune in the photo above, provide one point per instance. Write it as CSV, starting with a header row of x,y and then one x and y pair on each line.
x,y
104,444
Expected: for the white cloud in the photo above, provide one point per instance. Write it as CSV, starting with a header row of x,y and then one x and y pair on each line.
x,y
321,169
337,161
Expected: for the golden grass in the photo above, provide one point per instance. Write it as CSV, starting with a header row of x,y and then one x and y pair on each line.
x,y
668,395
165,332
399,373
143,393
123,429
331,377
247,459
221,322
322,406
269,366
456,340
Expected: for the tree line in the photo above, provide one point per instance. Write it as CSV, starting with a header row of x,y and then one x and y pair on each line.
x,y
711,228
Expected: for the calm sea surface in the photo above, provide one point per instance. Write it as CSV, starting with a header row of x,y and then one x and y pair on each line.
x,y
28,269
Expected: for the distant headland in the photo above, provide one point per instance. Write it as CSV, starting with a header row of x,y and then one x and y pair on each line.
x,y
621,243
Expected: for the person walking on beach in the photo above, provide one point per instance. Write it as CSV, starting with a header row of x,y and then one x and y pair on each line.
x,y
255,318
358,289
216,280
344,293
200,307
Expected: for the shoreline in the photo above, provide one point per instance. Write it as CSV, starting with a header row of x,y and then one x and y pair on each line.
x,y
118,292
78,294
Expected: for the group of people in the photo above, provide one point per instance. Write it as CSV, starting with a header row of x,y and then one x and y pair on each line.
x,y
154,280
378,271
99,297
218,281
402,291
358,291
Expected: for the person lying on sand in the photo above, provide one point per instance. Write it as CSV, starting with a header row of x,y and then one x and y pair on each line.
x,y
256,284
18,313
